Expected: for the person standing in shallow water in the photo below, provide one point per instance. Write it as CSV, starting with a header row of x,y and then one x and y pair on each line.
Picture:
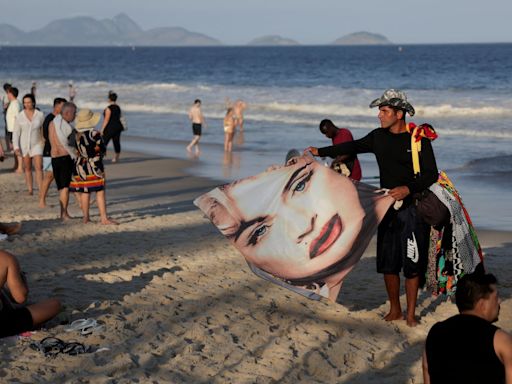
x,y
196,117
403,237
111,128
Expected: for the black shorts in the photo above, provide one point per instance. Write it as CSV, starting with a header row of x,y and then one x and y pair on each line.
x,y
15,321
62,171
402,243
196,129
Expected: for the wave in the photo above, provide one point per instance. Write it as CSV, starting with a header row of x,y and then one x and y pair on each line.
x,y
490,165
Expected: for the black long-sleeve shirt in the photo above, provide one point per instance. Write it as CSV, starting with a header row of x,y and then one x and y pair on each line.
x,y
393,153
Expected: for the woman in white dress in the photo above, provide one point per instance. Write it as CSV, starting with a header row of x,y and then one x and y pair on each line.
x,y
28,140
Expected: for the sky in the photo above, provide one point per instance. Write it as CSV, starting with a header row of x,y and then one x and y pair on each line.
x,y
307,21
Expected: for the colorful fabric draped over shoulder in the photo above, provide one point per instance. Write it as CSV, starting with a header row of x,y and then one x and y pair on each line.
x,y
454,249
301,226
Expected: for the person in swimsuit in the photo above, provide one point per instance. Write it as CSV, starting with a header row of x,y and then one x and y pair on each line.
x,y
229,130
196,116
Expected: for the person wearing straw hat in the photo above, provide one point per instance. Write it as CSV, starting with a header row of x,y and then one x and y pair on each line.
x,y
89,173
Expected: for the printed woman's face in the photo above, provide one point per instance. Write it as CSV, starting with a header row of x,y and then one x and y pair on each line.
x,y
307,218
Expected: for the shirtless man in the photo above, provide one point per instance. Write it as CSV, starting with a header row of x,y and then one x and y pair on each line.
x,y
196,116
62,154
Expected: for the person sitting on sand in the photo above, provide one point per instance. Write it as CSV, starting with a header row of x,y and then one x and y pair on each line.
x,y
480,352
89,173
229,130
20,319
10,229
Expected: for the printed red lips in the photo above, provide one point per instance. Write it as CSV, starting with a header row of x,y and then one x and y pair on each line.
x,y
328,235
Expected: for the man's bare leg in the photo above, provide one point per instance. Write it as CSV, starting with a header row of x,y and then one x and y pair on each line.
x,y
194,141
393,289
411,293
64,201
18,164
102,206
47,180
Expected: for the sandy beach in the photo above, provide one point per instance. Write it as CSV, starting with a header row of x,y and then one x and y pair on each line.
x,y
179,304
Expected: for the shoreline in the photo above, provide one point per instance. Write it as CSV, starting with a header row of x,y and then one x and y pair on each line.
x,y
179,303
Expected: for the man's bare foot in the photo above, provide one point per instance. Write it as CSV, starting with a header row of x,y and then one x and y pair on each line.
x,y
189,148
42,204
30,193
391,316
65,217
109,221
86,220
412,322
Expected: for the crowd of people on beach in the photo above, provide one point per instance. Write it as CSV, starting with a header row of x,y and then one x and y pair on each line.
x,y
66,146
55,150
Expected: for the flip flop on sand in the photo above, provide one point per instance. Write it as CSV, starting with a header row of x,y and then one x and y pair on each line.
x,y
85,326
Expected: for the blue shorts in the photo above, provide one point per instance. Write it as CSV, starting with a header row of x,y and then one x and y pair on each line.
x,y
47,164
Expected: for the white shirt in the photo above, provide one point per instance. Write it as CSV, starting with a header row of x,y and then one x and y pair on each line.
x,y
27,135
13,110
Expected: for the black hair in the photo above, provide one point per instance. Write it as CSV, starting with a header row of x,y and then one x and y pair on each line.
x,y
31,97
14,91
325,124
58,100
7,86
396,109
112,96
197,101
473,287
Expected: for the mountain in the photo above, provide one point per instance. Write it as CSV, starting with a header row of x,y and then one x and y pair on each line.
x,y
272,40
362,38
87,31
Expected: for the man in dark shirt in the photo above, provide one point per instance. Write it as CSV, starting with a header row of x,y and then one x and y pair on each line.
x,y
47,156
403,237
467,348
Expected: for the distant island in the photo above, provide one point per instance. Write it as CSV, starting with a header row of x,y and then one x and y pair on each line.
x,y
121,31
362,38
272,40
87,31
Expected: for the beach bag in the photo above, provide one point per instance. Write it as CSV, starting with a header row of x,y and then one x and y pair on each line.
x,y
124,123
428,206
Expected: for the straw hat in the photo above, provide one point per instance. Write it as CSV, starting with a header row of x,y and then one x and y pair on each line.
x,y
86,119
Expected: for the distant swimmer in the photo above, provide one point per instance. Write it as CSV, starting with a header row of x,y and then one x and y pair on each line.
x,y
239,108
229,130
196,116
72,92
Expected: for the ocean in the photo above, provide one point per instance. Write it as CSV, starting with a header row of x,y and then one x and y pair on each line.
x,y
464,91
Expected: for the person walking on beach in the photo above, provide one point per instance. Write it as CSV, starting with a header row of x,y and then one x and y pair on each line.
x,y
58,102
71,92
196,117
5,105
28,141
345,164
62,154
402,237
479,352
229,130
88,171
11,114
112,127
13,319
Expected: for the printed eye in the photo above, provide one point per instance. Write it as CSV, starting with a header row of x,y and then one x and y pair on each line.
x,y
257,234
303,183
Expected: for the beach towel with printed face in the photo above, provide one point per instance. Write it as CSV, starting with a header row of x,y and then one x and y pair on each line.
x,y
302,226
